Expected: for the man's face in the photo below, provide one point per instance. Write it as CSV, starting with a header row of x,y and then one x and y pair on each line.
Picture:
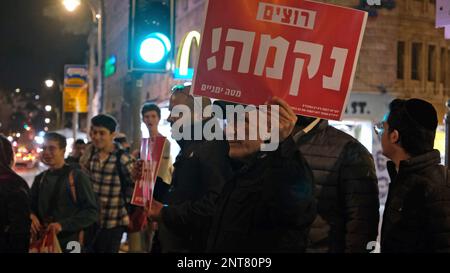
x,y
151,120
52,154
78,150
388,141
101,137
177,99
242,148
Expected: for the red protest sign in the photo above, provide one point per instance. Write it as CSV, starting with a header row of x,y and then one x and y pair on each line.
x,y
151,153
301,51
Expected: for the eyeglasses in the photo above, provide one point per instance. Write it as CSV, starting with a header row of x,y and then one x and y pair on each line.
x,y
378,128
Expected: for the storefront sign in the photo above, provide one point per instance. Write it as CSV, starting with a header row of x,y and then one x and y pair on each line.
x,y
182,69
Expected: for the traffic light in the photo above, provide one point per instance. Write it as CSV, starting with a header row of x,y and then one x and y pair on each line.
x,y
151,35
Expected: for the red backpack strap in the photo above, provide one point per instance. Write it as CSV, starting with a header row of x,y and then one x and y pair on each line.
x,y
73,191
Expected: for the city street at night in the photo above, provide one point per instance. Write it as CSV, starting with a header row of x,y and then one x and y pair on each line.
x,y
210,135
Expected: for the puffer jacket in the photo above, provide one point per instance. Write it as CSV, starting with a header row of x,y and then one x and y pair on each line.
x,y
267,207
417,213
200,171
346,191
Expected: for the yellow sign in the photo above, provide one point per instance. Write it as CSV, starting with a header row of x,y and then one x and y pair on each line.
x,y
75,81
76,100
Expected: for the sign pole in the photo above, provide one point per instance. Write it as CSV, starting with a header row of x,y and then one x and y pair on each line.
x,y
75,117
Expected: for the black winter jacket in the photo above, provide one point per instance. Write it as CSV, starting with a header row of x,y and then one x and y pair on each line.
x,y
200,171
346,191
267,206
14,214
417,213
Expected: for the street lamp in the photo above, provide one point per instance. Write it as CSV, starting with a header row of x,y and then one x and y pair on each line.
x,y
17,90
49,83
47,121
71,5
48,108
97,18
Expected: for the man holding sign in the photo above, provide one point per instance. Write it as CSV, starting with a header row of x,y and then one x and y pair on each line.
x,y
201,170
305,53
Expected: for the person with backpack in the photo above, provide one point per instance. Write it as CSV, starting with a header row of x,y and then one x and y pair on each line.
x,y
62,198
109,168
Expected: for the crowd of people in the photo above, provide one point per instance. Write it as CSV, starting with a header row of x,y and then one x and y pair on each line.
x,y
316,193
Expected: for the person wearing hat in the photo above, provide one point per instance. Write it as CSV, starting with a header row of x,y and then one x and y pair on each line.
x,y
417,212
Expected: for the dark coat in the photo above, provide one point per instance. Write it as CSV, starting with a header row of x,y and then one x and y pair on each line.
x,y
267,206
15,212
200,171
417,213
346,191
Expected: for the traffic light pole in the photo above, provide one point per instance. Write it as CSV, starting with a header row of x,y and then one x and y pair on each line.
x,y
75,119
136,110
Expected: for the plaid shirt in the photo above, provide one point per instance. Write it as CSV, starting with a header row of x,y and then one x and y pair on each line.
x,y
106,183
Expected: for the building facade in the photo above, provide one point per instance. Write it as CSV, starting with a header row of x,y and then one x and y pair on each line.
x,y
403,55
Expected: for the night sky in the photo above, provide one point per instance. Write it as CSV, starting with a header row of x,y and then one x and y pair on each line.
x,y
36,40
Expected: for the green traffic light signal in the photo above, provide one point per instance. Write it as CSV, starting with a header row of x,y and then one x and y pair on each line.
x,y
151,35
155,48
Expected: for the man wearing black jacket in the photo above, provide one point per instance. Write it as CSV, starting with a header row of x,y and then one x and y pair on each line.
x,y
200,171
268,205
14,204
417,213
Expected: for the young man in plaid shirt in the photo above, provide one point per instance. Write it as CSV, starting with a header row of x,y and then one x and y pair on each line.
x,y
106,162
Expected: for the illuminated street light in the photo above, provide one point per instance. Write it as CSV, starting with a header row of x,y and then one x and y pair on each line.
x,y
36,97
49,83
97,19
18,135
71,5
48,108
17,90
47,121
